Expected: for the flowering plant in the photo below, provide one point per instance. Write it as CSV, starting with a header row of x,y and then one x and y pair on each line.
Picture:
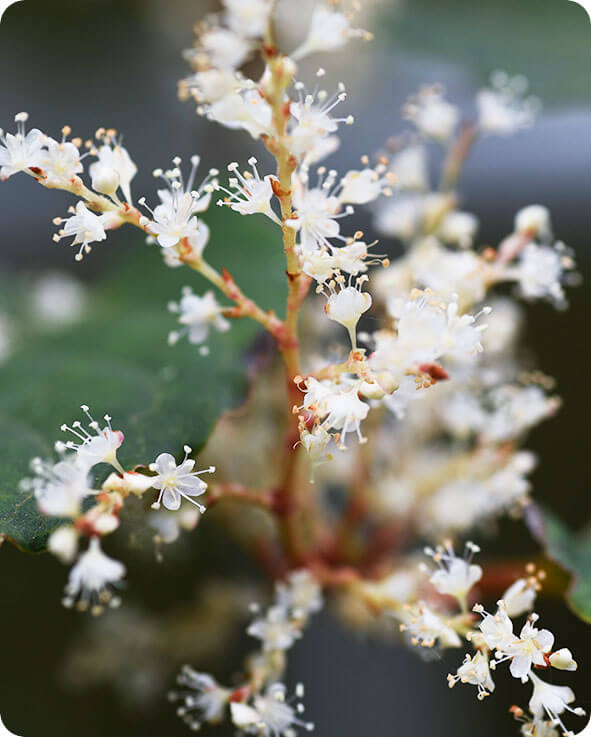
x,y
414,410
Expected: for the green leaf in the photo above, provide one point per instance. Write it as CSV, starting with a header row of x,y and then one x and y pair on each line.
x,y
571,550
19,518
117,360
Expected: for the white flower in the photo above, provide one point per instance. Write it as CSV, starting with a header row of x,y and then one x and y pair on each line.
x,y
90,581
317,214
248,17
401,217
517,409
244,110
519,597
177,482
346,305
250,194
209,702
174,218
57,299
475,671
198,315
224,48
98,448
21,150
496,629
503,110
534,220
361,187
455,576
311,120
459,228
410,168
426,628
59,488
432,114
301,594
63,543
548,699
270,714
539,272
526,650
115,165
329,30
428,330
338,407
276,629
85,226
61,161
211,85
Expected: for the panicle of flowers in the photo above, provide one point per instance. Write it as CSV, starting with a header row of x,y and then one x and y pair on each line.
x,y
259,705
494,641
64,488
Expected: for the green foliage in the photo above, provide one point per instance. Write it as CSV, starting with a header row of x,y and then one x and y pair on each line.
x,y
572,551
117,360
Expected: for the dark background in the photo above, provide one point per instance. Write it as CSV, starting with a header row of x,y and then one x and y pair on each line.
x,y
116,64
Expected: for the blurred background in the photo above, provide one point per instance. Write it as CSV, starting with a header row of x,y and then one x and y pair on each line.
x,y
116,63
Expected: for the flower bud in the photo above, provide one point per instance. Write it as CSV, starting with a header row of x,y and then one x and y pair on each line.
x,y
105,180
63,543
563,660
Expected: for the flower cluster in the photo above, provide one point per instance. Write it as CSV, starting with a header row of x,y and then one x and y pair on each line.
x,y
425,393
66,490
259,704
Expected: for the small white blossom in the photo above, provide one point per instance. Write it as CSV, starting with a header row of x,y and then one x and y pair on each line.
x,y
174,218
249,194
459,228
455,576
426,628
362,187
177,482
206,701
519,597
337,407
60,161
301,594
198,315
224,48
21,150
434,116
85,226
91,579
534,220
245,110
503,108
59,488
270,714
248,17
100,447
276,629
552,701
329,30
474,670
410,168
311,120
